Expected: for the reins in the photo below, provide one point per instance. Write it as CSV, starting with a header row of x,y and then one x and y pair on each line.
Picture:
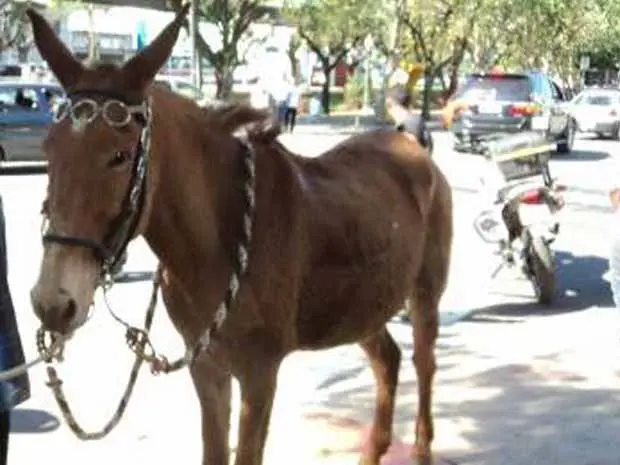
x,y
51,348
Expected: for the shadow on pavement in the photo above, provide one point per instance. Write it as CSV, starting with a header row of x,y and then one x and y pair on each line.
x,y
535,417
32,421
490,411
580,286
582,155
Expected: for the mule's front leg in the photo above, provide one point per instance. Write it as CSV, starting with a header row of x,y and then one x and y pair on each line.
x,y
213,385
258,386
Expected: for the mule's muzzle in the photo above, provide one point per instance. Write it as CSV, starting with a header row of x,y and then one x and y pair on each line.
x,y
57,310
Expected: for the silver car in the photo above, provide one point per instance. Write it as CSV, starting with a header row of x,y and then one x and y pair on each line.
x,y
597,110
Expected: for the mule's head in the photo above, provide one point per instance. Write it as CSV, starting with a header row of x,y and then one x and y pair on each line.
x,y
97,152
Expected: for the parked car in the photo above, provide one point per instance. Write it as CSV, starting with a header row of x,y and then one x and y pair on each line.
x,y
183,87
598,111
489,104
26,111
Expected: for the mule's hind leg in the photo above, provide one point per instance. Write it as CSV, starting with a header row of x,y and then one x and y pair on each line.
x,y
425,327
384,357
429,287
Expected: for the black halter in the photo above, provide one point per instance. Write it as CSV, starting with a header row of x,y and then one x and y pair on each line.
x,y
122,228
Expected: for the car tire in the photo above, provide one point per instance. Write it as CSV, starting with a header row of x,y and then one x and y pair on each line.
x,y
2,154
566,145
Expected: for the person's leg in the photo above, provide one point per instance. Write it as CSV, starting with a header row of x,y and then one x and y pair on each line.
x,y
293,118
5,427
287,119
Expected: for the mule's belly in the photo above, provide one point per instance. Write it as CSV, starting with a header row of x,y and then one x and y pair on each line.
x,y
344,304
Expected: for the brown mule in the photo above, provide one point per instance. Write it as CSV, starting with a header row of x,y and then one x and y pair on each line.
x,y
335,245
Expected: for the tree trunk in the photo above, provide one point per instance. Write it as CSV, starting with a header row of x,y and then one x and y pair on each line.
x,y
429,74
224,81
325,88
22,53
93,45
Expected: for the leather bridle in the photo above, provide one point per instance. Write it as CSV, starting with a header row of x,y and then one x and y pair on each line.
x,y
122,228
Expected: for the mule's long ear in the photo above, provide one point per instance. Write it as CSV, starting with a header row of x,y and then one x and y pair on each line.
x,y
61,61
140,70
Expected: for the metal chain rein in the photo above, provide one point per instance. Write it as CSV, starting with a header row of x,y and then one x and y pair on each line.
x,y
139,343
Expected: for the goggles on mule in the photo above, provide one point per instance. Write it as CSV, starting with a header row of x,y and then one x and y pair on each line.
x,y
115,113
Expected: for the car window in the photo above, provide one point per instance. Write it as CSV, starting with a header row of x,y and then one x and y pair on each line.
x,y
502,88
19,98
556,92
541,87
598,100
54,97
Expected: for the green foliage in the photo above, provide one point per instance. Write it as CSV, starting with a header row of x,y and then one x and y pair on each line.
x,y
233,19
14,27
354,91
332,29
333,26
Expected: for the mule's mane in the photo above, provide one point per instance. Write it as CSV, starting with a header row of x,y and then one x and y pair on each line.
x,y
260,125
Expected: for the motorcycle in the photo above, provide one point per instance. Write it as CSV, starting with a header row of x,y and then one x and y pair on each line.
x,y
522,220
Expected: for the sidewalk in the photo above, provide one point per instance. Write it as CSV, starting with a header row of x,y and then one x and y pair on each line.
x,y
344,123
510,390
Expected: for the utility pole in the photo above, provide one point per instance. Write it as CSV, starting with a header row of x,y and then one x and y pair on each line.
x,y
193,33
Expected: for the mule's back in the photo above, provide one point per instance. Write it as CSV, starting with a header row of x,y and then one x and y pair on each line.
x,y
366,206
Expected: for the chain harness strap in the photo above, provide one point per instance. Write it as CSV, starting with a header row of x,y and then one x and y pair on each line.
x,y
240,266
139,343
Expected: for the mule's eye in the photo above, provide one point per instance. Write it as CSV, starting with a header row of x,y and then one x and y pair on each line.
x,y
119,158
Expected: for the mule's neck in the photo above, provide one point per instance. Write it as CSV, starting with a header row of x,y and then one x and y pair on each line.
x,y
197,207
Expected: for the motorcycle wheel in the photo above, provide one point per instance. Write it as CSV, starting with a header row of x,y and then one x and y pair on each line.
x,y
539,259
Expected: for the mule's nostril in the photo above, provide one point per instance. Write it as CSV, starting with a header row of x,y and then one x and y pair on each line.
x,y
71,310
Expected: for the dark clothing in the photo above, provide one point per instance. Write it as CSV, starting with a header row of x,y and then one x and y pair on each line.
x,y
5,427
290,116
16,390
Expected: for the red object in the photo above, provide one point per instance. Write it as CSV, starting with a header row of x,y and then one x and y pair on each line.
x,y
497,70
532,197
523,109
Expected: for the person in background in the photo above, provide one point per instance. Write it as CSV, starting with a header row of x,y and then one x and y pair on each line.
x,y
16,390
614,257
279,92
292,104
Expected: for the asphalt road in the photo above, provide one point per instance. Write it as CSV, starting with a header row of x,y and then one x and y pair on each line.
x,y
517,384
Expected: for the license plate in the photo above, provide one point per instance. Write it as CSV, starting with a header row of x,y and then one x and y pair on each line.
x,y
540,123
489,108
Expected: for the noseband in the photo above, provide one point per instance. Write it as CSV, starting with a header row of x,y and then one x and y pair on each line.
x,y
109,252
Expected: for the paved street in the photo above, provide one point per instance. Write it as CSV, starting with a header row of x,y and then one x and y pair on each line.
x,y
516,384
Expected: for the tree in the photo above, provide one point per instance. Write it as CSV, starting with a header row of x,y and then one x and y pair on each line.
x,y
544,33
438,36
14,28
331,29
233,19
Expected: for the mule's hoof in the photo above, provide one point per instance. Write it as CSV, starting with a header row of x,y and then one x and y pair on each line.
x,y
422,456
364,460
